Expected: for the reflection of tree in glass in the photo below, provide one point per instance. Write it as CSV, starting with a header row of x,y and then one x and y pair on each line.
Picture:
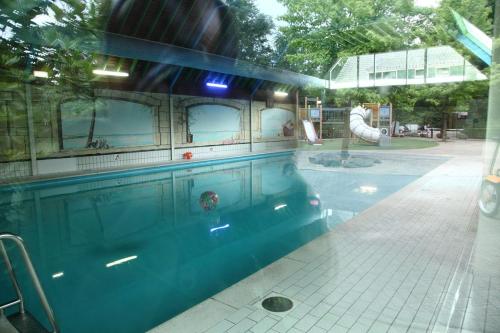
x,y
317,34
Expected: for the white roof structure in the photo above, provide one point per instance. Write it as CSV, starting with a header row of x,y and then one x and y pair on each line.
x,y
439,64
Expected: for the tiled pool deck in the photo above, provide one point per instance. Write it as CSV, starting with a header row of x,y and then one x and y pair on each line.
x,y
406,264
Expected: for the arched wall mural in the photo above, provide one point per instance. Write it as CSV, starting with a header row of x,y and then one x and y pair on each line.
x,y
213,122
277,122
115,123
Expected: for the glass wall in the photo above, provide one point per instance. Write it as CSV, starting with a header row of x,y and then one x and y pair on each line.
x,y
249,166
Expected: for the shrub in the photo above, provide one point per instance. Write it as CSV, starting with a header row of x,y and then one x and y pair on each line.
x,y
475,133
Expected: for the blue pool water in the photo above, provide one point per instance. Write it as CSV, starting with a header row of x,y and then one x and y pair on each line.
x,y
126,252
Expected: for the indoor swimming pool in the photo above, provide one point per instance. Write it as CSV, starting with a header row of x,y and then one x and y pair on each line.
x,y
148,244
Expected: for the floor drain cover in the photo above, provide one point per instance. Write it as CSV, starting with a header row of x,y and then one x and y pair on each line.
x,y
277,304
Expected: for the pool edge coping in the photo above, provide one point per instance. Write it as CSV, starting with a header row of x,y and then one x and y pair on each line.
x,y
32,182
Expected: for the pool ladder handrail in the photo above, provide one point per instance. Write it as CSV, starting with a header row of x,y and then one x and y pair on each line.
x,y
34,279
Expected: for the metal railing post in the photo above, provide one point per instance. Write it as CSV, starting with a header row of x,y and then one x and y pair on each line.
x,y
12,276
34,277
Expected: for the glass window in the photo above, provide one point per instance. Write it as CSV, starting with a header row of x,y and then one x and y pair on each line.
x,y
390,75
188,159
366,70
457,70
443,71
431,72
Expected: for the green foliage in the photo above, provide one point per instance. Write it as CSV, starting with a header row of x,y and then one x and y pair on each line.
x,y
54,52
253,29
319,32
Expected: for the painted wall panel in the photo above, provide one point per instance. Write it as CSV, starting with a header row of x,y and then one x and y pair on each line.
x,y
214,122
118,123
273,120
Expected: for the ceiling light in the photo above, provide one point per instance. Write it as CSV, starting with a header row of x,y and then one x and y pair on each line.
x,y
103,72
42,74
216,85
280,94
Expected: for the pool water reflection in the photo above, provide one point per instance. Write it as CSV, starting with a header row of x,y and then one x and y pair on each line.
x,y
127,253
144,249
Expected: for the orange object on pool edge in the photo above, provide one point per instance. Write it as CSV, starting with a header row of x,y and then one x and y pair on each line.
x,y
187,155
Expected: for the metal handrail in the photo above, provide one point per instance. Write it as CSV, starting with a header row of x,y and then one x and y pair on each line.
x,y
34,277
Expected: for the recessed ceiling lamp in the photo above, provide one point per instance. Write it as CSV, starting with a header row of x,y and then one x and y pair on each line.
x,y
280,94
41,74
216,85
104,72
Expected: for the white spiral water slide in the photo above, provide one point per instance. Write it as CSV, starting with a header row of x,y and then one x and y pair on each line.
x,y
360,128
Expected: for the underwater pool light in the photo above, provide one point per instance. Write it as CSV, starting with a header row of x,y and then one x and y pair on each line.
x,y
368,189
219,228
280,94
104,72
216,85
280,206
120,261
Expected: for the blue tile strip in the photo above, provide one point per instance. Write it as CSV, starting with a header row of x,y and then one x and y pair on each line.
x,y
37,184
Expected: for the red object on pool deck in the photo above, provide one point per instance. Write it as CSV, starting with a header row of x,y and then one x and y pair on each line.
x,y
187,155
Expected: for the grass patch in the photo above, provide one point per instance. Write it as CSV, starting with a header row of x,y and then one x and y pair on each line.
x,y
357,144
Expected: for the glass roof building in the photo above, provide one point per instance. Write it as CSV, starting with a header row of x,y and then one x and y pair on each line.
x,y
439,64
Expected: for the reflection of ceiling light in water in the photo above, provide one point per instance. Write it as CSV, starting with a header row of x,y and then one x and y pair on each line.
x,y
57,275
120,261
218,228
278,207
216,85
368,189
103,72
42,74
326,212
280,94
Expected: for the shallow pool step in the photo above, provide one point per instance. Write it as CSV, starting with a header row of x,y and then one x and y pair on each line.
x,y
26,323
6,326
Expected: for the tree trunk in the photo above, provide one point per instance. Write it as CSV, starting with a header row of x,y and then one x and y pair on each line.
x,y
90,137
347,136
445,126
